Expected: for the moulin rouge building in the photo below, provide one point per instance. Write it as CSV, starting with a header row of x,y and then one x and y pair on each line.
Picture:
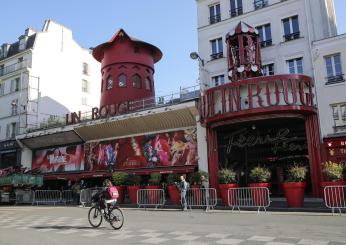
x,y
254,120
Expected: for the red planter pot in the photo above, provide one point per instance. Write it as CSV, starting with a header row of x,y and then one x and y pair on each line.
x,y
294,192
132,191
259,195
153,197
232,194
121,191
174,194
334,197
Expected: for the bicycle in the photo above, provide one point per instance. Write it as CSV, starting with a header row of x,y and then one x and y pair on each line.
x,y
99,211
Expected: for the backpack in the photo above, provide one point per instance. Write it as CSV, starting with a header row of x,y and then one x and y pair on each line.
x,y
113,192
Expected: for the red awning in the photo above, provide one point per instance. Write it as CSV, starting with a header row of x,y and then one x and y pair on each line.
x,y
98,174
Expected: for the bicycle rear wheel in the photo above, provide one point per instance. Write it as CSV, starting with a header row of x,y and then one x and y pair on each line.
x,y
116,218
95,217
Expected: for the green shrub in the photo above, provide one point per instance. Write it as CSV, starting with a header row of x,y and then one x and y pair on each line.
x,y
119,178
333,171
196,177
227,176
172,178
133,179
296,174
260,175
155,179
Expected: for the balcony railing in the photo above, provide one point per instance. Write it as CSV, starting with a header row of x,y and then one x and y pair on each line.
x,y
12,68
292,36
335,79
214,19
236,11
184,95
266,43
216,56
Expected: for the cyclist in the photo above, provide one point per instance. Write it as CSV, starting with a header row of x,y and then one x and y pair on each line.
x,y
108,196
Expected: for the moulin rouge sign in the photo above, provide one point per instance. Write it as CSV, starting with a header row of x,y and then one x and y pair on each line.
x,y
102,112
276,91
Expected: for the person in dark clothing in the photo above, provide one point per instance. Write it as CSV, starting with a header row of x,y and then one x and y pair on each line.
x,y
183,186
205,191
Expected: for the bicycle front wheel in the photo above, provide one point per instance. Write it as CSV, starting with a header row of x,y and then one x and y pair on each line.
x,y
116,218
95,217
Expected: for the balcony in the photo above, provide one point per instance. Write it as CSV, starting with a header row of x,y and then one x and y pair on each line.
x,y
13,68
214,19
335,79
236,12
257,96
216,56
291,36
266,43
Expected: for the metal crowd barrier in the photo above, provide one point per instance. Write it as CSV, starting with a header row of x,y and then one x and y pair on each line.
x,y
86,195
204,198
249,197
47,197
67,197
335,197
24,196
150,197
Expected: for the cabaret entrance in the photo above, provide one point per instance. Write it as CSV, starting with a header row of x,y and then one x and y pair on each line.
x,y
275,144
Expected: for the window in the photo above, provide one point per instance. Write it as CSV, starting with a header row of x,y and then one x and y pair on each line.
x,y
218,80
85,68
11,130
260,4
335,112
268,70
265,35
215,14
14,106
236,8
334,70
122,80
15,85
85,86
339,116
216,48
136,81
291,28
2,88
2,69
22,43
147,83
84,101
295,66
109,83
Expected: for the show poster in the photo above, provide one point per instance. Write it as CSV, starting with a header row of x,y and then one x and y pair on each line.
x,y
176,148
59,159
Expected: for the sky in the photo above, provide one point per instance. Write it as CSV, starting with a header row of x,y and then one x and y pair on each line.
x,y
169,25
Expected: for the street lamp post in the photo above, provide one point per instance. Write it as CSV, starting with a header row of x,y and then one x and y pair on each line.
x,y
204,83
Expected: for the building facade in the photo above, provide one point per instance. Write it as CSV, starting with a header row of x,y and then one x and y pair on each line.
x,y
246,117
35,73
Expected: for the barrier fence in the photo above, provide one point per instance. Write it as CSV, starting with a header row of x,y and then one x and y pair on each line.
x,y
204,198
24,196
335,197
47,197
249,197
150,197
86,195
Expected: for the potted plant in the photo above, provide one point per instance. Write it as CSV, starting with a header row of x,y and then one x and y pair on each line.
x,y
119,179
333,174
154,183
260,177
227,180
172,189
132,182
294,186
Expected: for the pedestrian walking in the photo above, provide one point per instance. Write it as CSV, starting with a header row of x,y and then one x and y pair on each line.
x,y
183,186
76,192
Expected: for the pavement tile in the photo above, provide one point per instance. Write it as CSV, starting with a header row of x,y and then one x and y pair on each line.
x,y
153,234
229,241
279,243
155,240
180,233
147,230
261,238
69,231
187,237
217,235
93,234
312,242
121,237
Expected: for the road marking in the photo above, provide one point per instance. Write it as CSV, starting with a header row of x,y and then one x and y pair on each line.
x,y
261,238
155,240
147,230
229,241
312,242
180,233
217,235
153,234
121,237
68,231
187,238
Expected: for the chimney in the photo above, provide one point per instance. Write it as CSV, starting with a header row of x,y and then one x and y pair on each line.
x,y
22,42
29,31
4,48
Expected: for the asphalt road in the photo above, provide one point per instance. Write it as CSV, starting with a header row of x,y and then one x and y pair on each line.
x,y
69,225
